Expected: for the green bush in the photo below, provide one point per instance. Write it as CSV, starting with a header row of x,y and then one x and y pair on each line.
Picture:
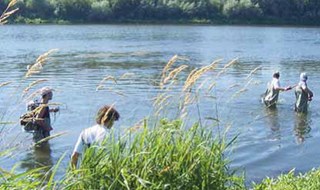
x,y
166,157
308,181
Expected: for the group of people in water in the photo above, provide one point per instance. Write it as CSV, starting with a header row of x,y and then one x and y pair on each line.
x,y
302,93
108,114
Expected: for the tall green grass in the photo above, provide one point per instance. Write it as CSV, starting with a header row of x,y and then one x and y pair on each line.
x,y
308,181
167,156
32,179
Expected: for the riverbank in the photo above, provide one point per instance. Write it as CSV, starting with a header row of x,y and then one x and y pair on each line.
x,y
222,21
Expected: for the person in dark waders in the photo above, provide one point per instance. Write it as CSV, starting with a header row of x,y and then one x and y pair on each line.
x,y
303,94
270,97
43,117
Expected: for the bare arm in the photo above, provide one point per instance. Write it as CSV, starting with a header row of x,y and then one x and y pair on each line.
x,y
54,110
40,119
279,88
283,88
74,159
76,152
310,93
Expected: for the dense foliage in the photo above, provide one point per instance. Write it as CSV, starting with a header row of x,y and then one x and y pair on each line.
x,y
308,181
222,11
166,157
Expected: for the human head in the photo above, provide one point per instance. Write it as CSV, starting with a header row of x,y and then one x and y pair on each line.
x,y
303,76
276,75
46,92
106,116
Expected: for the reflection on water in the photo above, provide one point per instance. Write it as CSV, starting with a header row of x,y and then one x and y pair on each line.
x,y
273,122
273,118
39,156
302,127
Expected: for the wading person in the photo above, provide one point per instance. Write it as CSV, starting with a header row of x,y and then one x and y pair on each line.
x,y
270,97
95,134
43,117
303,94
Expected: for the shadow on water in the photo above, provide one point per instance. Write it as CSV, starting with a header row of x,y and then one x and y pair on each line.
x,y
273,118
39,156
273,122
302,127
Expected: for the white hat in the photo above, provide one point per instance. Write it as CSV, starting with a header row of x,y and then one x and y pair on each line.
x,y
45,90
303,76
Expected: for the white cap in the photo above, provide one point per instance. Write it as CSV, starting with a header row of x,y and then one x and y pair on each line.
x,y
45,90
303,76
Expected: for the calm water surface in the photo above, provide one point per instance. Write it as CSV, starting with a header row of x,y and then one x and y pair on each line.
x,y
269,142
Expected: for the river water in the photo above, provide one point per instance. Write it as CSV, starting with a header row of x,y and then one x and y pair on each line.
x,y
269,142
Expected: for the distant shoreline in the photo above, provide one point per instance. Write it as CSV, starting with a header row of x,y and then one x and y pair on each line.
x,y
205,22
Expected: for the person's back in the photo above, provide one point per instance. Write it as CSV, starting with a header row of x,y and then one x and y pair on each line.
x,y
44,128
95,134
271,95
303,94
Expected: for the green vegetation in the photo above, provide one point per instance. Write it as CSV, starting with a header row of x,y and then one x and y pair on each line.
x,y
308,181
172,11
165,157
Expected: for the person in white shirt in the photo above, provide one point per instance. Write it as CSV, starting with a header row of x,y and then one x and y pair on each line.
x,y
95,134
271,95
303,94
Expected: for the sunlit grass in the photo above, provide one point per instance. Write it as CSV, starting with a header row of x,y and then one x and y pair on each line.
x,y
307,181
167,156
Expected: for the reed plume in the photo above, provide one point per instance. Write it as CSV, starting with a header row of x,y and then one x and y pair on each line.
x,y
253,71
211,86
117,92
244,89
197,73
161,99
137,126
8,12
38,65
101,83
26,90
232,62
126,75
173,74
168,65
33,95
5,83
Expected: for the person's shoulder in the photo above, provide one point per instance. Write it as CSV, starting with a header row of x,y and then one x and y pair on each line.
x,y
302,84
92,128
275,80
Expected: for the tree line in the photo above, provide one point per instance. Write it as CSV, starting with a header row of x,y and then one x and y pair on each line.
x,y
254,11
